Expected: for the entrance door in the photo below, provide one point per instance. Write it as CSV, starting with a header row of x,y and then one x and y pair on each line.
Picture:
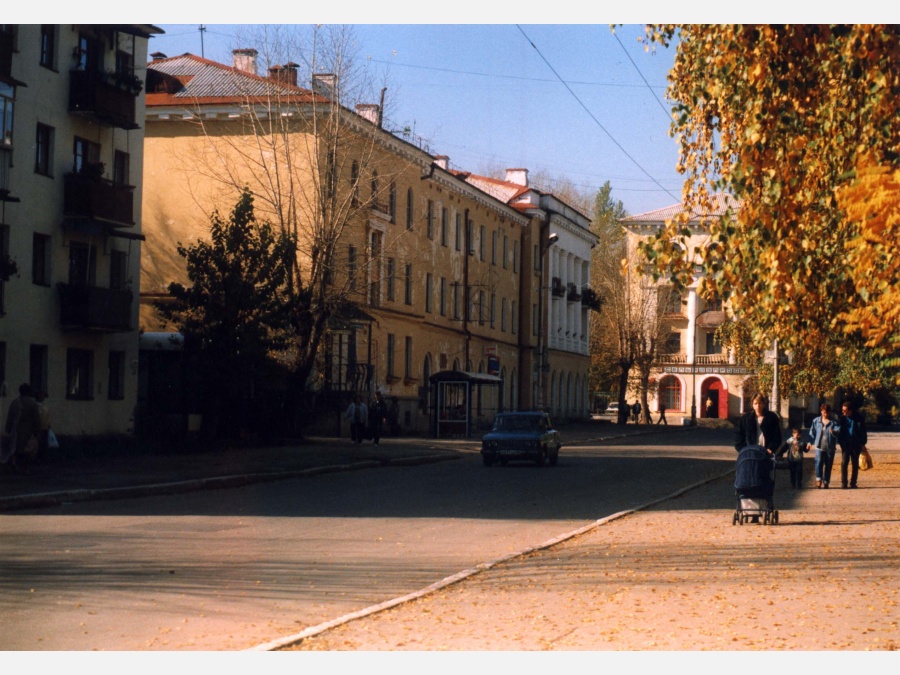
x,y
715,399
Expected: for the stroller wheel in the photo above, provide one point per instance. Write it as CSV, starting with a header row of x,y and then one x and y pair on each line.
x,y
735,518
775,517
766,518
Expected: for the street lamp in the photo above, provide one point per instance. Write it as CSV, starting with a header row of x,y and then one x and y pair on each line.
x,y
696,314
542,249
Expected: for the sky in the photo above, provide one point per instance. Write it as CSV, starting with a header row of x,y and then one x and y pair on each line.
x,y
574,101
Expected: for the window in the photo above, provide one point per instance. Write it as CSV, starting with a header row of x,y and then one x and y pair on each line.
x,y
458,232
121,163
48,46
516,257
390,279
82,264
391,350
504,307
354,183
407,283
375,245
40,259
4,252
392,201
43,150
409,209
116,387
673,343
444,226
672,300
513,318
442,298
79,374
118,270
124,63
481,308
89,54
456,314
537,259
713,346
2,360
429,288
429,220
351,267
505,252
535,320
7,101
408,360
86,155
37,368
330,178
374,185
493,310
481,243
494,237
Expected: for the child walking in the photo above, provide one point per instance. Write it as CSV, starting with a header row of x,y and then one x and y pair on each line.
x,y
794,448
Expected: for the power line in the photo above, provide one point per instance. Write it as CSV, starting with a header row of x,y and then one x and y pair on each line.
x,y
596,121
665,111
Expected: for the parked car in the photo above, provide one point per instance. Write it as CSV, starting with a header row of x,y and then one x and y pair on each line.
x,y
612,409
518,436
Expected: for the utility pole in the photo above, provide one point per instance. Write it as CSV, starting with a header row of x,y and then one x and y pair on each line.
x,y
202,30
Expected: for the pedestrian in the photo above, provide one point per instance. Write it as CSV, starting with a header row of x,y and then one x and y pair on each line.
x,y
662,414
852,436
636,411
759,426
44,411
378,412
710,408
22,429
823,436
357,414
794,448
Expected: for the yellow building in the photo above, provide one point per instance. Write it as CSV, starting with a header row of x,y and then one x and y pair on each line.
x,y
72,110
442,270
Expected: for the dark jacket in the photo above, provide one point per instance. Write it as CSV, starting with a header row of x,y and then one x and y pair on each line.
x,y
747,432
851,432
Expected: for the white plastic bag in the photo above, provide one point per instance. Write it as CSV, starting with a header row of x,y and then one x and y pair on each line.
x,y
52,441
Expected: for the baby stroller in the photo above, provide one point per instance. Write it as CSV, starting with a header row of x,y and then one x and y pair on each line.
x,y
754,486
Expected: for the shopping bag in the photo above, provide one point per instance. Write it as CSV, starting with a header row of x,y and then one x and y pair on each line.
x,y
865,460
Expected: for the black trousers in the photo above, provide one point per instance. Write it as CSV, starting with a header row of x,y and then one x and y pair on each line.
x,y
849,455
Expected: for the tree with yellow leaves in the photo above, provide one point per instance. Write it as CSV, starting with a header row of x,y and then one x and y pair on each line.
x,y
800,123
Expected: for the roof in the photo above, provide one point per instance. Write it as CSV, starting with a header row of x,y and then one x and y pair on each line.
x,y
190,78
721,203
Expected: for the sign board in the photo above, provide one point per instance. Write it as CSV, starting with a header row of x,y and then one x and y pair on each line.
x,y
490,350
493,365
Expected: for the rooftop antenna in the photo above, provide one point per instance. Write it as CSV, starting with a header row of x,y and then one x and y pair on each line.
x,y
202,30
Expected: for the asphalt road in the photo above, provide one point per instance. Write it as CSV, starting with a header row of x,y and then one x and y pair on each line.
x,y
235,568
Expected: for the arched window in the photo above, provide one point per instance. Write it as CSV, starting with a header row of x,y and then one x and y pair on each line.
x,y
354,182
375,189
392,201
409,208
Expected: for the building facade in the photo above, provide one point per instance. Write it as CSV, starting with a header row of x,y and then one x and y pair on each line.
x,y
441,270
692,374
71,160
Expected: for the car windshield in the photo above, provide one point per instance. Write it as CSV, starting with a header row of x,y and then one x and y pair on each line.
x,y
518,423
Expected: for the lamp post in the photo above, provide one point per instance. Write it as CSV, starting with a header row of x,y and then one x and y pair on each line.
x,y
543,247
692,308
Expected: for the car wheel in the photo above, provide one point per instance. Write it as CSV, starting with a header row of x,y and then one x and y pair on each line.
x,y
541,458
554,458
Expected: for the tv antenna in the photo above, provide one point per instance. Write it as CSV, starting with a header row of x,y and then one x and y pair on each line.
x,y
202,30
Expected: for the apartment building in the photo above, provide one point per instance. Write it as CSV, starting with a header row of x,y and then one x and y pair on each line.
x,y
693,375
71,159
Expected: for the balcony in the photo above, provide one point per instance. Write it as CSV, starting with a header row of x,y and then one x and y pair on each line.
x,y
556,287
95,309
5,165
98,199
680,359
107,97
573,295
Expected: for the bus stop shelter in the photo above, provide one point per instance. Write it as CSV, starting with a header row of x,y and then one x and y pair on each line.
x,y
464,402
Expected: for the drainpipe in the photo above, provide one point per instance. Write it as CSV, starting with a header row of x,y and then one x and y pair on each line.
x,y
466,290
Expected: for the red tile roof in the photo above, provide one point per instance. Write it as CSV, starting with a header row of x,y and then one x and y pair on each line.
x,y
721,202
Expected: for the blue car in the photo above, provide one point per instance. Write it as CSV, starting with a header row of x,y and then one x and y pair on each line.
x,y
521,436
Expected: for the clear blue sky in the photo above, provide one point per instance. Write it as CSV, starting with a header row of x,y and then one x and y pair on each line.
x,y
575,100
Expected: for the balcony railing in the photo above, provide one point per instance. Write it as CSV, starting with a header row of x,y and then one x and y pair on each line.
x,y
95,309
104,97
556,287
98,199
573,295
700,360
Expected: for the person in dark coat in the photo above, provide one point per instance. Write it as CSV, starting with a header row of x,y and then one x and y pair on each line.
x,y
852,438
378,412
23,428
760,426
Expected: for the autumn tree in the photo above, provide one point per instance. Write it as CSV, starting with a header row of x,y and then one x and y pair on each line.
x,y
799,123
235,309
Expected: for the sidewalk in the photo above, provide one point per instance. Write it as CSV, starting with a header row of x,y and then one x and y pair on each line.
x,y
83,475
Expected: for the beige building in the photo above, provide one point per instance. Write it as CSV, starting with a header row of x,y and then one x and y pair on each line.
x,y
71,159
442,269
693,376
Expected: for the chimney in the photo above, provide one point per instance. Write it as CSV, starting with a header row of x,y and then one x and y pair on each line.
x,y
290,73
245,60
442,161
324,84
369,111
517,176
158,56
